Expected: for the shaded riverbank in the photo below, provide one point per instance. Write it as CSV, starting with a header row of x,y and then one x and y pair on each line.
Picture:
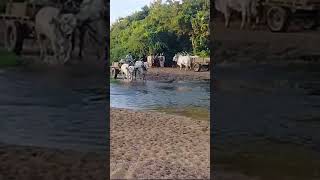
x,y
54,107
53,122
266,103
30,163
270,114
8,59
158,74
158,145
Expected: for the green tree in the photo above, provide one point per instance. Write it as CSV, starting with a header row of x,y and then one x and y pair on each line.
x,y
163,27
200,36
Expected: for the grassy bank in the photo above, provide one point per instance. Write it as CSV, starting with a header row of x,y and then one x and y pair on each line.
x,y
115,81
8,59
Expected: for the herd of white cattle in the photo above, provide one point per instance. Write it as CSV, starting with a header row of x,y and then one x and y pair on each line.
x,y
140,68
55,29
183,60
248,9
130,71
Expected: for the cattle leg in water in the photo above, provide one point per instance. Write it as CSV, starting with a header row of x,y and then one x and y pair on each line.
x,y
54,49
73,41
244,18
41,46
135,74
227,17
81,38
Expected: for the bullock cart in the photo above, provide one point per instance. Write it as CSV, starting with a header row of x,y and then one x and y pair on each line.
x,y
280,13
115,69
18,23
199,64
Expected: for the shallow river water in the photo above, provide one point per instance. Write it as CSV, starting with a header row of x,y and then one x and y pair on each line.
x,y
53,108
152,95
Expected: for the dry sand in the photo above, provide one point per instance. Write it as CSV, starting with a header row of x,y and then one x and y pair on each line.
x,y
155,145
32,163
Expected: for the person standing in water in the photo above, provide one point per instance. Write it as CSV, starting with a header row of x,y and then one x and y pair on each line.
x,y
129,59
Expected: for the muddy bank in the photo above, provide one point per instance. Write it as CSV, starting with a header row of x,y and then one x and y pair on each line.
x,y
155,74
156,145
261,46
29,163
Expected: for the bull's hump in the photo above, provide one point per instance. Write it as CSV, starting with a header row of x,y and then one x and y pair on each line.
x,y
236,4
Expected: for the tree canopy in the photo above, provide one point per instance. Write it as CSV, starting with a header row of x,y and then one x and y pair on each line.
x,y
163,27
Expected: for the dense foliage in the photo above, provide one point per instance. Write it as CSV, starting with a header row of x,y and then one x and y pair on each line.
x,y
163,27
3,6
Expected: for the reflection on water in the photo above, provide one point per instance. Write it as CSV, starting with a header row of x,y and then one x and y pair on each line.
x,y
270,114
153,95
59,109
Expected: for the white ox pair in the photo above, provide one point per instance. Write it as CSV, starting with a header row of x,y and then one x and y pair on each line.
x,y
248,9
55,29
128,72
182,60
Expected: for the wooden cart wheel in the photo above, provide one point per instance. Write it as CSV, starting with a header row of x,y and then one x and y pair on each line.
x,y
205,67
197,67
309,23
14,37
277,19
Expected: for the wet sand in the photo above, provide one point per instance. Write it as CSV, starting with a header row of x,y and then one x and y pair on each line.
x,y
168,73
156,145
31,163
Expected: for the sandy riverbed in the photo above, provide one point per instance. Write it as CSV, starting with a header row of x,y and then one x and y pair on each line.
x,y
156,145
30,163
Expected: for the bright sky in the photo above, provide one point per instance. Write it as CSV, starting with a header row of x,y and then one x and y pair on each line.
x,y
122,8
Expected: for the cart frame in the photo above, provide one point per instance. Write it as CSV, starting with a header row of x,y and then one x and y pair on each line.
x,y
280,13
19,22
200,63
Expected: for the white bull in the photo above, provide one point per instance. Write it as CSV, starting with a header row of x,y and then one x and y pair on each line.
x,y
248,8
146,65
150,61
91,26
183,61
127,71
141,68
56,28
162,60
